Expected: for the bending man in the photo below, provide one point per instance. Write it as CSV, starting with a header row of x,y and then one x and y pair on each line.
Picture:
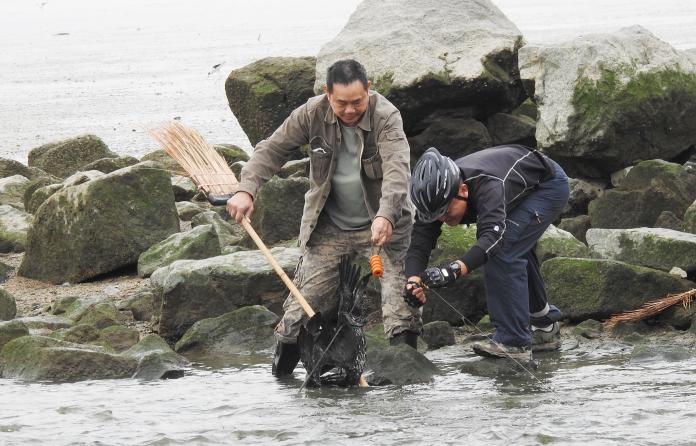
x,y
512,193
359,173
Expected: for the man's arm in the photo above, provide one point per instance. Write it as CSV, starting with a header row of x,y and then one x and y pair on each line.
x,y
394,150
489,196
423,239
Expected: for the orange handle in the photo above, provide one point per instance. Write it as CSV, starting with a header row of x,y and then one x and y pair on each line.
x,y
376,266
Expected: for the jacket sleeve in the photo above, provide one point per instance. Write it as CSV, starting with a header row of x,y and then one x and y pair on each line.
x,y
489,196
395,153
423,240
270,154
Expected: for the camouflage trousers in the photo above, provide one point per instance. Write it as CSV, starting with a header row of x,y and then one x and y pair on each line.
x,y
317,279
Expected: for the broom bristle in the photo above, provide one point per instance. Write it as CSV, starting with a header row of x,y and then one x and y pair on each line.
x,y
651,308
207,168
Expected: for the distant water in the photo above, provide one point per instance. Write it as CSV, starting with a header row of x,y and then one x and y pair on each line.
x,y
113,67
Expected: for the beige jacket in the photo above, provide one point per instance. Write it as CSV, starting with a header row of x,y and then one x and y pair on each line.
x,y
385,170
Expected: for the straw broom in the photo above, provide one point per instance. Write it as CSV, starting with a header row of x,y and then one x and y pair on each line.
x,y
209,170
651,308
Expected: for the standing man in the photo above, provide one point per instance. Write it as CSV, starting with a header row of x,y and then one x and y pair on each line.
x,y
359,176
512,193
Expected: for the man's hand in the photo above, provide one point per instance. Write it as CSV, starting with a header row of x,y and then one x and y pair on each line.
x,y
241,204
441,276
381,231
413,292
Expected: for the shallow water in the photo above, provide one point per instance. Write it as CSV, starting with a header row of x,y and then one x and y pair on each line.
x,y
586,395
115,67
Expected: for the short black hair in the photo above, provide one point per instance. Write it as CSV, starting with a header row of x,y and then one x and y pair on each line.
x,y
345,72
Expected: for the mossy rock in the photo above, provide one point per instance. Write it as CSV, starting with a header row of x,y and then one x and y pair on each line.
x,y
375,337
261,95
66,157
398,365
577,226
231,153
14,227
556,242
143,305
589,329
100,315
110,164
78,334
32,187
690,218
187,210
156,360
119,338
438,334
10,167
618,209
165,162
11,330
279,200
8,307
12,190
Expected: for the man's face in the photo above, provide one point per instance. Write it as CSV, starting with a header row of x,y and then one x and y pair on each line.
x,y
348,102
457,208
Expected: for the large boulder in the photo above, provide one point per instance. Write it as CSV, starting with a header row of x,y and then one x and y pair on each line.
x,y
430,55
12,190
200,242
649,189
199,289
66,157
14,226
40,358
555,242
279,200
261,95
98,226
607,101
597,288
245,331
652,247
467,295
8,306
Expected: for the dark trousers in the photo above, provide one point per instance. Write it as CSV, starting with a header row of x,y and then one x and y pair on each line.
x,y
514,286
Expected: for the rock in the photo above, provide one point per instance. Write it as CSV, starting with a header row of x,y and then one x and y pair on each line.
x,y
187,210
607,101
163,161
199,289
74,307
8,307
12,190
485,325
467,296
279,200
11,330
156,360
690,218
232,153
261,95
398,365
668,220
14,227
40,358
675,181
497,368
669,353
66,157
10,168
556,242
143,305
577,226
184,189
596,289
295,168
200,242
99,226
228,234
46,322
32,187
100,315
78,334
425,56
512,129
110,164
375,338
529,109
453,136
5,272
590,329
438,334
652,247
119,338
244,331
619,176
40,195
581,193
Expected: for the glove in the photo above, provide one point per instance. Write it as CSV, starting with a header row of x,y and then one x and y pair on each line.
x,y
409,298
441,276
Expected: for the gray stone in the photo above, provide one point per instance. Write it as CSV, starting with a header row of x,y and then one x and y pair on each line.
x,y
199,289
143,305
108,165
459,53
119,338
398,365
590,329
12,190
452,136
41,194
668,353
261,95
10,330
184,189
668,220
597,288
40,358
14,227
5,272
577,226
512,129
607,101
163,161
78,334
156,360
10,167
99,226
100,315
66,157
556,242
690,218
279,200
438,334
581,193
187,210
244,331
295,168
46,322
619,176
200,242
652,247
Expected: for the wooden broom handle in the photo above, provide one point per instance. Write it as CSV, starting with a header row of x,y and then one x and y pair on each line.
x,y
246,224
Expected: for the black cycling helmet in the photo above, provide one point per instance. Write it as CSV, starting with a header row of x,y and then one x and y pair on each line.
x,y
434,182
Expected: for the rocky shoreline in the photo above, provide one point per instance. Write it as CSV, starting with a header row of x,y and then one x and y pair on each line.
x,y
116,267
